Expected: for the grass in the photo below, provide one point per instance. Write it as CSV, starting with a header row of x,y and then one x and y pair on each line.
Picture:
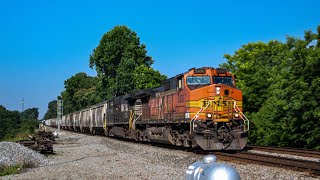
x,y
7,170
24,135
4,171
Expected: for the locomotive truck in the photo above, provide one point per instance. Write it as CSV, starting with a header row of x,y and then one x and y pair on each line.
x,y
199,108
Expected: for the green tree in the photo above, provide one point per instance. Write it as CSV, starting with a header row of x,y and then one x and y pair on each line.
x,y
31,113
280,83
145,77
52,110
13,123
116,59
9,122
79,93
255,65
29,120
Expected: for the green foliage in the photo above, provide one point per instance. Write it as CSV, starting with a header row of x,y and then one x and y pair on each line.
x,y
29,119
4,171
9,122
31,113
117,59
14,125
7,170
145,77
280,83
80,92
254,64
52,110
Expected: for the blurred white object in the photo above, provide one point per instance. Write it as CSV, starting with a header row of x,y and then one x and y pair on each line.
x,y
209,169
55,134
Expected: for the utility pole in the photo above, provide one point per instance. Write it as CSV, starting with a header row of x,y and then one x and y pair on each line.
x,y
59,112
22,105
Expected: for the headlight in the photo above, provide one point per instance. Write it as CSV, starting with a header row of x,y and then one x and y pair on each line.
x,y
209,115
218,90
236,115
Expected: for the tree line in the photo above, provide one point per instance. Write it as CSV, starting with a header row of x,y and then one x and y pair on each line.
x,y
280,82
15,124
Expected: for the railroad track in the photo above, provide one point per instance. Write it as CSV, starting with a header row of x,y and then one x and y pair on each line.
x,y
313,167
292,151
269,160
296,164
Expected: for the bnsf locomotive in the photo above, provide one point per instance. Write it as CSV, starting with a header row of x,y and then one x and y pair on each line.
x,y
199,108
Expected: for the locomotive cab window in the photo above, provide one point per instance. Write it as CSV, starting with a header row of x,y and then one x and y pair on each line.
x,y
227,80
198,80
194,82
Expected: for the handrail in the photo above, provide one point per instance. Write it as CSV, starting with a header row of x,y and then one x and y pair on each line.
x,y
196,116
134,122
131,119
243,117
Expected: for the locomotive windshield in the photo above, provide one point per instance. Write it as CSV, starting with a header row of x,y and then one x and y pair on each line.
x,y
223,80
198,80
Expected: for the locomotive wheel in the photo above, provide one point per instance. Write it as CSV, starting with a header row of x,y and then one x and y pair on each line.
x,y
137,136
225,136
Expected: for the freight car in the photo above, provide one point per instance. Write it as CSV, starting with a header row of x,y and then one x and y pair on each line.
x,y
199,108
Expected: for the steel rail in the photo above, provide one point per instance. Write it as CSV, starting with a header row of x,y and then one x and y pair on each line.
x,y
285,150
310,166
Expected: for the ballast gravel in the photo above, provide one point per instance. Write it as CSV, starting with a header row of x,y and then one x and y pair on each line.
x,y
80,156
12,154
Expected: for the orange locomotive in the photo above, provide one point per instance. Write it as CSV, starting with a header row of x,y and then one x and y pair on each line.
x,y
199,108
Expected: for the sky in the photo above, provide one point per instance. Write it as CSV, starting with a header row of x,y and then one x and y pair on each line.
x,y
45,42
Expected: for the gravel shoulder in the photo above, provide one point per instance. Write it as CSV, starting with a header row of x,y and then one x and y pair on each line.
x,y
80,156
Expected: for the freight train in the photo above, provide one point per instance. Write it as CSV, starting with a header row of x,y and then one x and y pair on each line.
x,y
199,108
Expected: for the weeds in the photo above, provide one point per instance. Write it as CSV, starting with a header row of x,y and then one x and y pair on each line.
x,y
19,136
7,170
